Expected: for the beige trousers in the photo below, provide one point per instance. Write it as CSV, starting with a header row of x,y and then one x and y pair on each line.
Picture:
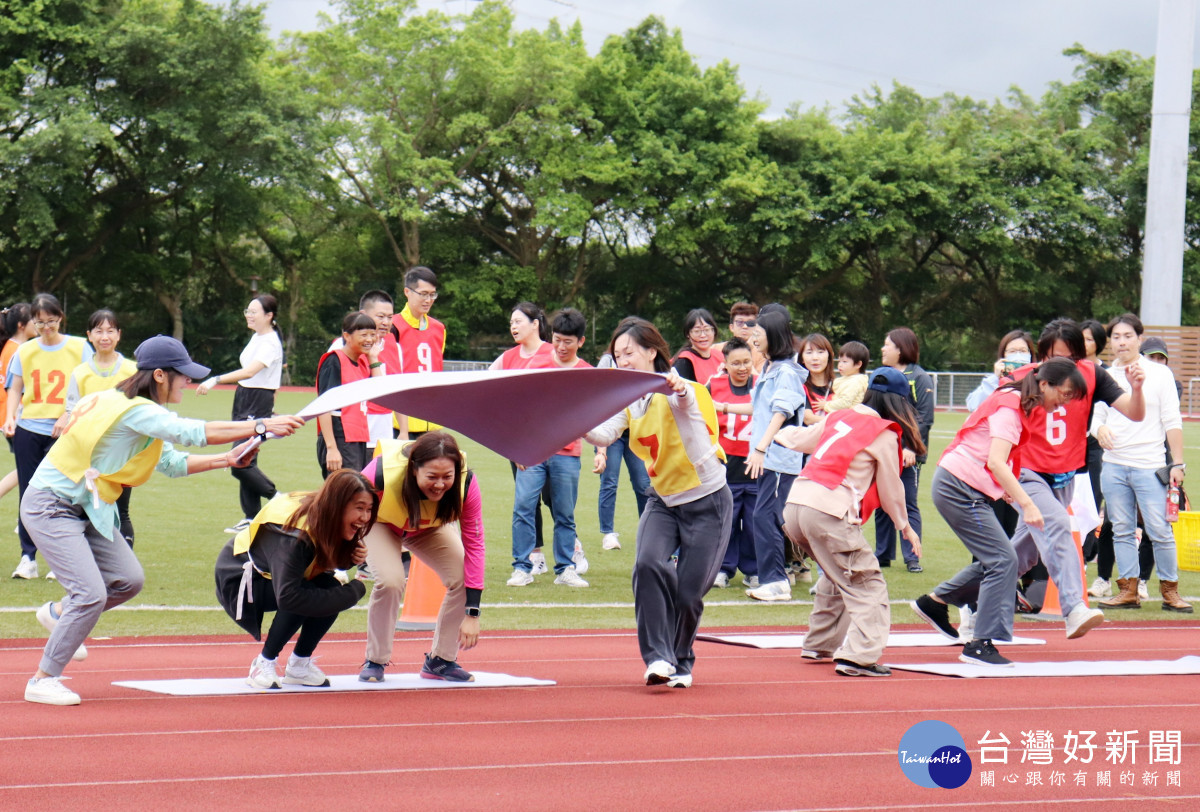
x,y
851,616
441,549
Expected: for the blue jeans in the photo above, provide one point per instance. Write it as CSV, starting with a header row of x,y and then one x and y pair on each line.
x,y
638,478
562,472
1125,490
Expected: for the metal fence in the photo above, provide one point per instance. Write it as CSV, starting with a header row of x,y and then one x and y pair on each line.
x,y
950,389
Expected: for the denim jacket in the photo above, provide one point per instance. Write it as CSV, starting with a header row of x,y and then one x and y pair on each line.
x,y
779,389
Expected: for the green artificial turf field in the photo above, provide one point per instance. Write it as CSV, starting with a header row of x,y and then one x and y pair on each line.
x,y
179,525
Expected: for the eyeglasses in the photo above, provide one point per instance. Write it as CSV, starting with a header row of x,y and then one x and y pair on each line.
x,y
250,313
47,323
745,323
428,296
703,328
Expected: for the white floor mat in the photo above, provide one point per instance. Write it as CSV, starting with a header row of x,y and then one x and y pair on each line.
x,y
340,682
895,640
1073,668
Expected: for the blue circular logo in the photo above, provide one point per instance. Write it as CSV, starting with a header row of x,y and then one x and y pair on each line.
x,y
933,754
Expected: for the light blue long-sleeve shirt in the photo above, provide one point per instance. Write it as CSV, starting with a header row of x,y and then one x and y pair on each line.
x,y
779,390
135,430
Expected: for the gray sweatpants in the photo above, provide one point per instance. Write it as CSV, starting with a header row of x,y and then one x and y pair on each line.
x,y
992,578
669,600
96,573
1054,543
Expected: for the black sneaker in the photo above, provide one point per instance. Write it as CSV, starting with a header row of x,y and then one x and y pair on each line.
x,y
935,614
371,672
849,669
982,652
437,668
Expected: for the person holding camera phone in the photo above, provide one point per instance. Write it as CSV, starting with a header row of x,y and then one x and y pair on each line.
x,y
1015,351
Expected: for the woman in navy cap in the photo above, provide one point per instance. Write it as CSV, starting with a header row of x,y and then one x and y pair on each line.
x,y
114,439
853,467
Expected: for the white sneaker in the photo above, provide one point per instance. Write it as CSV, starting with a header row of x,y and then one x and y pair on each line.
x,y
774,591
538,559
262,674
722,581
303,671
569,577
45,615
50,691
1082,620
966,624
239,527
27,569
1143,593
680,681
580,558
751,582
659,672
50,576
520,578
610,542
1100,588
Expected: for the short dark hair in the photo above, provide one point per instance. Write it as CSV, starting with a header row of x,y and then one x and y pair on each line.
x,y
906,342
358,320
1015,335
780,343
735,344
419,274
1098,331
645,335
1066,331
1127,318
373,297
103,315
569,322
47,303
857,352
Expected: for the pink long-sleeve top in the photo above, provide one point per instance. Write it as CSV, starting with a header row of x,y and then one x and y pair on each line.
x,y
471,525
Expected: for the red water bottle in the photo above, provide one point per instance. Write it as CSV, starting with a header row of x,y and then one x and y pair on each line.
x,y
1173,503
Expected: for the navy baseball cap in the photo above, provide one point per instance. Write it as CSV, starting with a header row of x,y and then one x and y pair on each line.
x,y
164,352
889,379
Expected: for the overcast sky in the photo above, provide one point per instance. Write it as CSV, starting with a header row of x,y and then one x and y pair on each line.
x,y
820,52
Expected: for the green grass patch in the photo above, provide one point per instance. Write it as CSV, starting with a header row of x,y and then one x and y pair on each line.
x,y
179,530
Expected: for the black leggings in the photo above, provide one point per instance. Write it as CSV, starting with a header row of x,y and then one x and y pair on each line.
x,y
286,624
250,404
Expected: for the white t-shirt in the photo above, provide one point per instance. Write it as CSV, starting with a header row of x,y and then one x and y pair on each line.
x,y
1140,444
267,349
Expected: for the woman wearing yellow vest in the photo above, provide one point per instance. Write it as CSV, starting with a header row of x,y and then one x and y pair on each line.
x,y
104,370
689,511
430,504
113,439
284,561
37,385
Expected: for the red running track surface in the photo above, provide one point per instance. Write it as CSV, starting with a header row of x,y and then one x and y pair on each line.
x,y
760,729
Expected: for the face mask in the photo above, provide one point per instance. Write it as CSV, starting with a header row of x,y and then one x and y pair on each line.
x,y
1018,358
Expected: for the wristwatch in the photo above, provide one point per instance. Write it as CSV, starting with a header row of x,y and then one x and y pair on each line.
x,y
472,611
260,428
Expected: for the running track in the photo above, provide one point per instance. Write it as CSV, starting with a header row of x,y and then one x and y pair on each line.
x,y
759,730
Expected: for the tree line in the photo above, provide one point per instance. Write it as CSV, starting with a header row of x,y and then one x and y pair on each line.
x,y
166,157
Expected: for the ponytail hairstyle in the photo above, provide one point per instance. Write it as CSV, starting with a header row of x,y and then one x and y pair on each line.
x,y
534,313
13,320
900,410
1055,372
270,306
432,445
322,511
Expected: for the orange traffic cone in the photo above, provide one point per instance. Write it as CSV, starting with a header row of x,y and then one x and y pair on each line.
x,y
1051,606
422,598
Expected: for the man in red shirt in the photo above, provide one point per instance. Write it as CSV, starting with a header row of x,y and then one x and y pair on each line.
x,y
421,337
